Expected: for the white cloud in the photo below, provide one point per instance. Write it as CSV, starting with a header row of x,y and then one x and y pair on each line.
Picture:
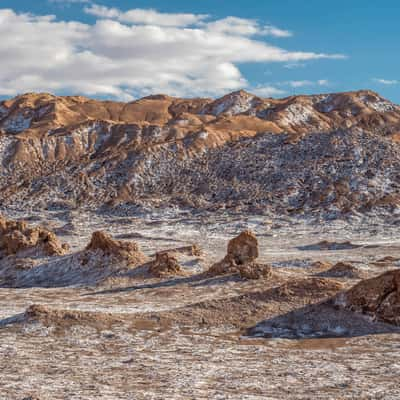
x,y
303,83
145,16
244,27
297,84
158,53
267,91
230,25
277,32
63,2
386,81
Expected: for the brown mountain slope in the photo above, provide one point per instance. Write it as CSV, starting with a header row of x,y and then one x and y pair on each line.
x,y
161,148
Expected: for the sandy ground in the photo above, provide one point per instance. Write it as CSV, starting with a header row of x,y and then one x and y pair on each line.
x,y
204,338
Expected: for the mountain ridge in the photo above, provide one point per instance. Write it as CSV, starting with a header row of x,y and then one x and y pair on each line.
x,y
158,150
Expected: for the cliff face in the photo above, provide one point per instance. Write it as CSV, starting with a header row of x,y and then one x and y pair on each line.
x,y
240,150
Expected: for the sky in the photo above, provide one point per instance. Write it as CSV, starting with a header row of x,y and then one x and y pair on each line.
x,y
128,49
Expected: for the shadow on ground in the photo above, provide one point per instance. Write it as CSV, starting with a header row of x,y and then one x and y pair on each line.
x,y
321,320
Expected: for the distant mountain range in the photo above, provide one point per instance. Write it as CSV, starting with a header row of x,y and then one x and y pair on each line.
x,y
332,153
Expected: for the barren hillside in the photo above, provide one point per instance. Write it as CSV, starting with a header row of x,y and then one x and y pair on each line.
x,y
336,153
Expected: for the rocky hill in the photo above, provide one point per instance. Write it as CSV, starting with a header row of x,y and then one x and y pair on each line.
x,y
334,153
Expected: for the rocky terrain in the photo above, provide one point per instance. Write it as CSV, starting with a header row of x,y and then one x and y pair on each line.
x,y
237,248
333,154
213,305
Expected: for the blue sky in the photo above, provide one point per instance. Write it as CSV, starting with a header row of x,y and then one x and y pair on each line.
x,y
275,48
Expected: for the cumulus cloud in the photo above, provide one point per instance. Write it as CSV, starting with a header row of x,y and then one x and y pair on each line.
x,y
244,27
178,54
386,81
145,16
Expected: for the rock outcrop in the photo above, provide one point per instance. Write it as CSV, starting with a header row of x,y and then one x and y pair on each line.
x,y
378,298
121,250
243,248
192,250
240,259
18,236
165,264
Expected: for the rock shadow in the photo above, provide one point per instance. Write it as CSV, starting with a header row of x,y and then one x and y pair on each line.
x,y
320,320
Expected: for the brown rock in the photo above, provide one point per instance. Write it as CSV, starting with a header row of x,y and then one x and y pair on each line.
x,y
255,271
165,264
241,253
16,236
128,251
243,248
223,267
377,297
192,250
341,270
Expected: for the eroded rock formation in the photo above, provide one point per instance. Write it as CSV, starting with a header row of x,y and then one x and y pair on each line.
x,y
165,264
242,251
18,236
118,249
378,297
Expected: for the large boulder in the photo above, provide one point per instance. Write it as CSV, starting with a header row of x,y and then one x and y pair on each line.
x,y
378,297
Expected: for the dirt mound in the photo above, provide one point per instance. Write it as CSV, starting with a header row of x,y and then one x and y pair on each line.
x,y
121,250
103,258
321,265
165,264
341,270
64,319
378,297
328,245
192,250
312,288
240,259
17,236
254,271
386,261
243,310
